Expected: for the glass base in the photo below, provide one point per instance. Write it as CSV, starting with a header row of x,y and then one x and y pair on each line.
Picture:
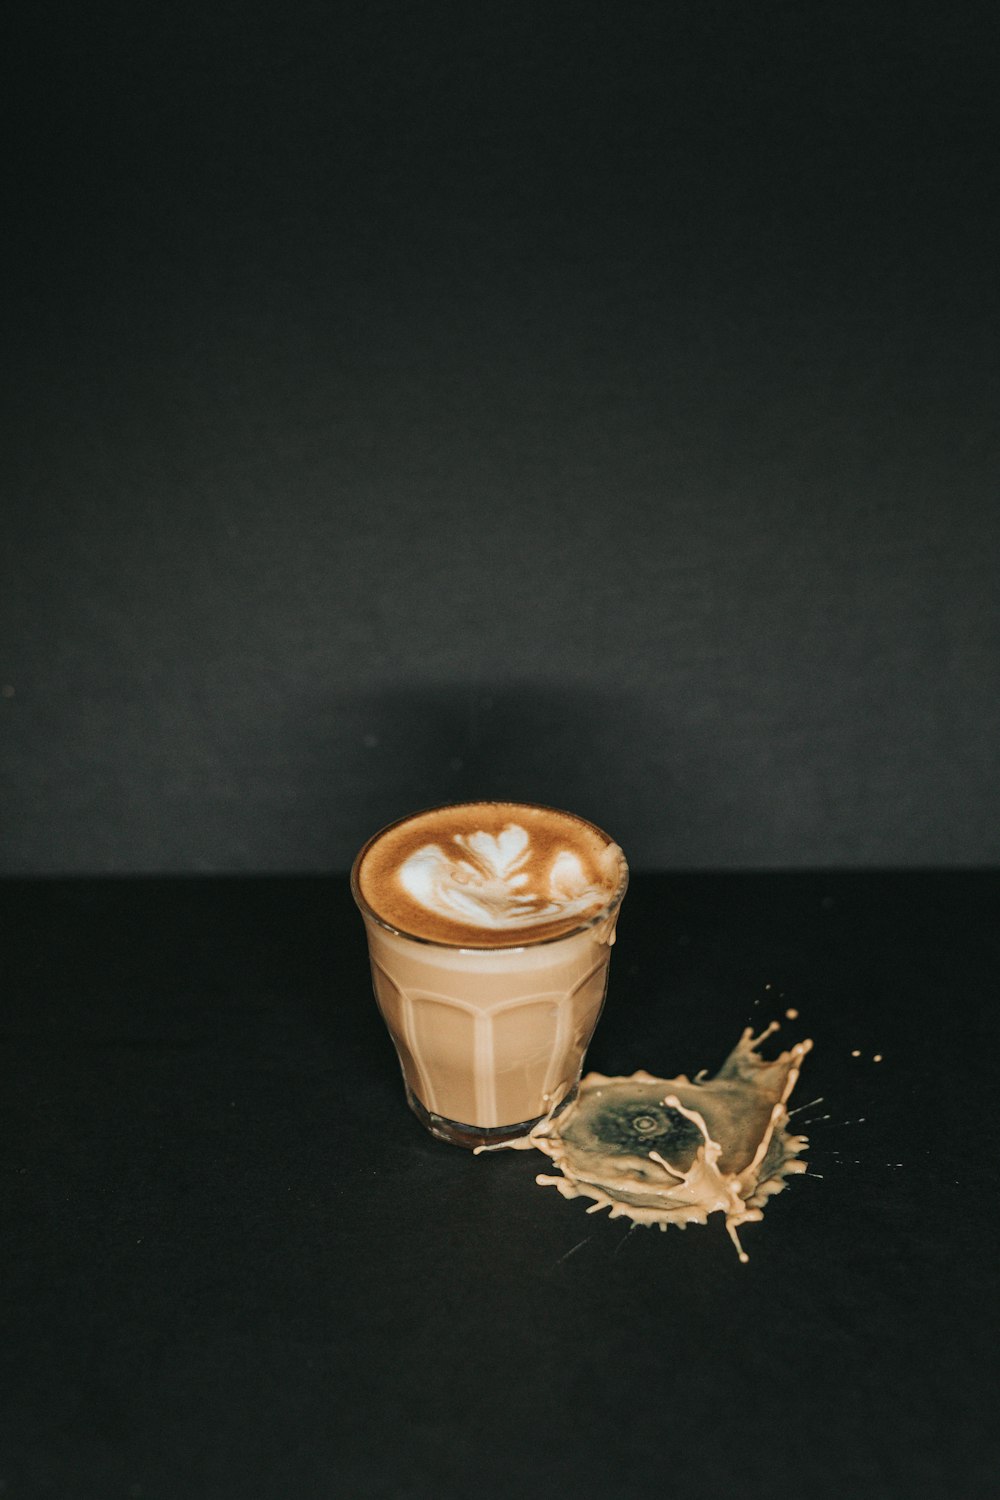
x,y
471,1136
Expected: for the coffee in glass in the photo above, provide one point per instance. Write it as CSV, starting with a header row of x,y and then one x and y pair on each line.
x,y
490,926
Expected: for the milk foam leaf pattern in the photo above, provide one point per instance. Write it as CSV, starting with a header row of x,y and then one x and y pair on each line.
x,y
480,879
498,856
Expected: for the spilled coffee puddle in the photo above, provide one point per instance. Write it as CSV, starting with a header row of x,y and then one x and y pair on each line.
x,y
675,1150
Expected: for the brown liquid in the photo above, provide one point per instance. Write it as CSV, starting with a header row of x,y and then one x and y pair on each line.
x,y
724,1143
489,1038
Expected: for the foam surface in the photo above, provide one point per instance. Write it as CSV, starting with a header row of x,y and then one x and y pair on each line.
x,y
489,874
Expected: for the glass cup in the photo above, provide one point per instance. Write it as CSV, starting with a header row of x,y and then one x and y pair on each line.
x,y
490,1039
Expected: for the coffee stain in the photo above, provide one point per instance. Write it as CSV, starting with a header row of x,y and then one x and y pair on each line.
x,y
675,1150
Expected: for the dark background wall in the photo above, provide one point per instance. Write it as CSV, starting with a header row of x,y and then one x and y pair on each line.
x,y
592,403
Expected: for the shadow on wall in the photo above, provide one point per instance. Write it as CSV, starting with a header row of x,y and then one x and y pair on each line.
x,y
370,758
299,785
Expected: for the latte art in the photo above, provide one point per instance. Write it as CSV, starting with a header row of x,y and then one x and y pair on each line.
x,y
484,881
490,874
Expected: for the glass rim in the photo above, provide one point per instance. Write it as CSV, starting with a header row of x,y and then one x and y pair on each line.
x,y
594,920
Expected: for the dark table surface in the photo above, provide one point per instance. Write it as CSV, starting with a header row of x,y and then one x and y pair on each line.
x,y
233,1265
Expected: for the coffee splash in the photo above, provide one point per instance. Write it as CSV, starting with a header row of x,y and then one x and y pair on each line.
x,y
675,1150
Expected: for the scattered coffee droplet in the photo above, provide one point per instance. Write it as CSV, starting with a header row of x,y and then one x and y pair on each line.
x,y
856,1052
877,1057
791,1014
